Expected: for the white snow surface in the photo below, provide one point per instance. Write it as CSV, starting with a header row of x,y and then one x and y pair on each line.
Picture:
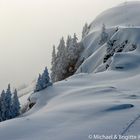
x,y
125,14
24,93
103,103
96,101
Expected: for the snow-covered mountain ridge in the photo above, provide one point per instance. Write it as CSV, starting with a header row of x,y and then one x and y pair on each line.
x,y
94,53
102,98
125,14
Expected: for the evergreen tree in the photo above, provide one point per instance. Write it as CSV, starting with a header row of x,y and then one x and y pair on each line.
x,y
68,41
75,39
15,105
104,35
66,58
3,106
61,48
53,55
85,30
43,81
61,61
72,52
0,111
8,103
68,48
46,79
53,63
39,84
9,107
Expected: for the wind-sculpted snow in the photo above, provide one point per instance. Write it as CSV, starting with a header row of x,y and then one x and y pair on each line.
x,y
125,40
125,14
102,98
79,106
123,28
120,107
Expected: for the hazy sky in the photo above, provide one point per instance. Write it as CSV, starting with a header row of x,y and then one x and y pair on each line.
x,y
29,28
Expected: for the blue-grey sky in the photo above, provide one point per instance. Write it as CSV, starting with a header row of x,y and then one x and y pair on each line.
x,y
29,28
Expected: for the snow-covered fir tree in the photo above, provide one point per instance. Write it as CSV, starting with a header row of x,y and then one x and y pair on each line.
x,y
85,30
53,63
73,54
66,58
68,42
0,111
8,103
43,81
39,84
15,105
104,35
60,62
3,106
73,50
46,78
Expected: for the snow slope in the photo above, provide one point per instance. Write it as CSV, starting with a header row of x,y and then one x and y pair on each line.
x,y
95,100
94,52
24,93
103,103
125,18
125,14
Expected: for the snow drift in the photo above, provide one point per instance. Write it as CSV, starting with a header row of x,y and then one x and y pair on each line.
x,y
97,99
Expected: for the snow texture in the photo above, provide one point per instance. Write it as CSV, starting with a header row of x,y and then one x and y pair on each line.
x,y
97,99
